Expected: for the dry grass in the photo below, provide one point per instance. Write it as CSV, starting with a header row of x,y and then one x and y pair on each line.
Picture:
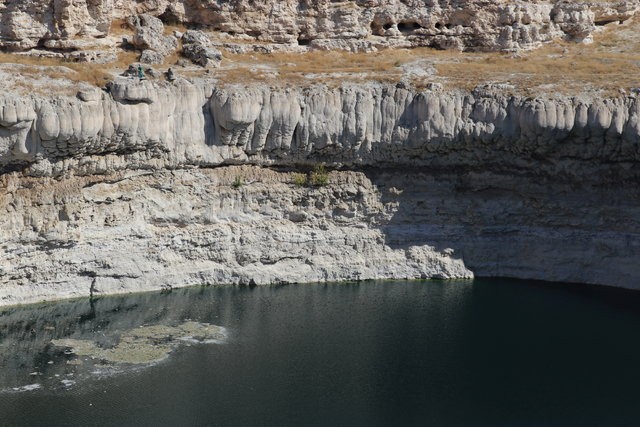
x,y
170,28
119,27
326,67
77,72
610,63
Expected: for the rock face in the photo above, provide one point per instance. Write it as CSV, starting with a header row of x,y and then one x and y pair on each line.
x,y
197,47
353,25
25,24
145,124
146,232
149,38
135,188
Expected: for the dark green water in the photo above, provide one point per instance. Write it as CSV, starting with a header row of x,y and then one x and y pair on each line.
x,y
482,353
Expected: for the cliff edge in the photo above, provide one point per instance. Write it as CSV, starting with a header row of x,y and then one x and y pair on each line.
x,y
245,167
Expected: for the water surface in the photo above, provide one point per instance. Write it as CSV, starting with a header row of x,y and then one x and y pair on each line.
x,y
481,353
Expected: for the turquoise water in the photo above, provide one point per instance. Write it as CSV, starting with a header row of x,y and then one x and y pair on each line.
x,y
481,353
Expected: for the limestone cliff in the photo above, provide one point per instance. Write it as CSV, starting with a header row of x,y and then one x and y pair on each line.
x,y
136,125
324,24
134,188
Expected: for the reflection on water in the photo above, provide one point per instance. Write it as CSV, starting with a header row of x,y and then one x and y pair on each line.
x,y
487,352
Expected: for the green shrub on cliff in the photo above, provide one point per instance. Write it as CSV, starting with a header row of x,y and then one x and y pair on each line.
x,y
299,179
319,176
237,183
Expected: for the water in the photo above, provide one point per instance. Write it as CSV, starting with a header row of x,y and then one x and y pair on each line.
x,y
481,353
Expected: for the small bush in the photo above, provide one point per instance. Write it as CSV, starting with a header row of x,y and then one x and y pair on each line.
x,y
237,183
319,176
300,179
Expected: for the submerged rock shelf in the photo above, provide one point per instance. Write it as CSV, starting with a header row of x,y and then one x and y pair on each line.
x,y
59,345
146,344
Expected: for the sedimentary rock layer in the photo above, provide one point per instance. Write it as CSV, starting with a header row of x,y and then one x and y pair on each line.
x,y
173,228
152,125
254,226
134,188
354,25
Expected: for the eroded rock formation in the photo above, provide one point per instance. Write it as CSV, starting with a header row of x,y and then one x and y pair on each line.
x,y
146,124
353,25
134,188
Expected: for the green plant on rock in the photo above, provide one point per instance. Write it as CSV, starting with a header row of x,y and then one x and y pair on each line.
x,y
237,183
299,179
319,176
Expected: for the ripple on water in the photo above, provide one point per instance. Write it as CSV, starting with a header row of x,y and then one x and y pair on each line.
x,y
28,387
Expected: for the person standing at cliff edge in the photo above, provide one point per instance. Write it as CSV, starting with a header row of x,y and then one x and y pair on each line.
x,y
140,73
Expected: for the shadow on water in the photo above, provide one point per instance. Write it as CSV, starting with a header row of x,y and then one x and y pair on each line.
x,y
484,352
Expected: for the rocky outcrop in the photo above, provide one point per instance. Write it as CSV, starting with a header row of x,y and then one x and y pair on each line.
x,y
145,124
134,189
231,225
196,46
366,25
150,39
26,24
353,25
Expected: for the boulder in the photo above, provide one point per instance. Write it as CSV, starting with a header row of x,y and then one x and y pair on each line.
x,y
149,36
89,94
202,55
149,56
197,47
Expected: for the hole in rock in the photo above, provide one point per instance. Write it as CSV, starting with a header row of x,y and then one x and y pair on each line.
x,y
605,22
168,17
408,27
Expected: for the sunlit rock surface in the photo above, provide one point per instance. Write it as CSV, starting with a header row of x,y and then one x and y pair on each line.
x,y
352,25
134,188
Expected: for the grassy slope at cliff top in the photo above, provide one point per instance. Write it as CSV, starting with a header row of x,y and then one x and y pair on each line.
x,y
610,63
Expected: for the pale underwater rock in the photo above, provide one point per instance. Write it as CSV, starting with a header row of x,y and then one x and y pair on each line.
x,y
146,344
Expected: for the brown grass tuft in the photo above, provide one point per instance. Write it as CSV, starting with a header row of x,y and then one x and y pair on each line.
x,y
610,63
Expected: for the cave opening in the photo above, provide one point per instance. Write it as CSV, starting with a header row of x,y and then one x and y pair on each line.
x,y
408,27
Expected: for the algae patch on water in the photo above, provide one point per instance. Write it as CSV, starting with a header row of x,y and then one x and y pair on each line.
x,y
146,344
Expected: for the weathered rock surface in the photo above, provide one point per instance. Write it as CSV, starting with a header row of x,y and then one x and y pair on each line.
x,y
131,189
354,25
149,125
149,37
145,232
197,47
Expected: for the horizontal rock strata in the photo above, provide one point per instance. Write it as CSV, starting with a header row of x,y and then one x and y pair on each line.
x,y
135,188
353,25
149,232
137,125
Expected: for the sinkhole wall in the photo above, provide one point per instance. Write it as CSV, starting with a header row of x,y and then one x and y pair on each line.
x,y
156,185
